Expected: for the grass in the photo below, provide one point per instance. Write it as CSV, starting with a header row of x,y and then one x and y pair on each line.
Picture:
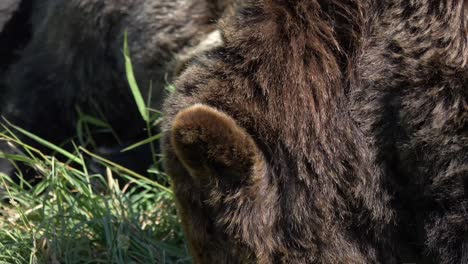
x,y
74,216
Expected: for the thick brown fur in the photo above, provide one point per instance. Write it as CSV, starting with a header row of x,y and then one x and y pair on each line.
x,y
411,99
357,113
317,196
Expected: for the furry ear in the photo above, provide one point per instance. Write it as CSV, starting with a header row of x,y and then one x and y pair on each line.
x,y
212,147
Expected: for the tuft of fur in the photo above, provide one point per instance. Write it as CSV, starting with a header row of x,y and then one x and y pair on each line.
x,y
14,33
317,196
7,10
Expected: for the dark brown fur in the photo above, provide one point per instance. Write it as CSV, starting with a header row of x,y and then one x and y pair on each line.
x,y
412,100
355,114
315,194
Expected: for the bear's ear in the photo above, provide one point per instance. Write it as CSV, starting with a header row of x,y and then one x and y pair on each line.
x,y
213,148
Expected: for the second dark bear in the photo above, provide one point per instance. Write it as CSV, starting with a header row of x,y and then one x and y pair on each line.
x,y
75,61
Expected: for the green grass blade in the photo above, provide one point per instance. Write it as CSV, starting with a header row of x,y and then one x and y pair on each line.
x,y
94,121
47,144
125,170
132,82
143,142
15,157
170,88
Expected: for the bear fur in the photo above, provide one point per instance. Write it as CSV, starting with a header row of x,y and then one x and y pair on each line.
x,y
268,166
74,62
15,32
325,131
7,10
411,99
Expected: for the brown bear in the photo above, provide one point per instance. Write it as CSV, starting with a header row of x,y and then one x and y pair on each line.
x,y
268,166
325,131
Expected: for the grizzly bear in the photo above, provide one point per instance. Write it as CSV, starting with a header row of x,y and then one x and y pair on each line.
x,y
267,165
325,131
74,63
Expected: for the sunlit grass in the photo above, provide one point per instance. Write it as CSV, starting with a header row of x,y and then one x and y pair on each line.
x,y
73,216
